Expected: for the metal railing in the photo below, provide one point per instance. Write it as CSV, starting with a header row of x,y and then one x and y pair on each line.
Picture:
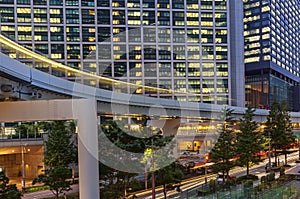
x,y
241,191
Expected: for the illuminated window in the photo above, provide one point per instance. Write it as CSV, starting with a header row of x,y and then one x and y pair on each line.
x,y
252,59
265,9
24,10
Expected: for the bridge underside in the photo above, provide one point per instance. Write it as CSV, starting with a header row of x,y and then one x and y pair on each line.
x,y
84,113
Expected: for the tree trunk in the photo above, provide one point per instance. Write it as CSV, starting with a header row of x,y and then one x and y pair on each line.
x,y
285,157
247,168
165,192
56,194
125,191
275,158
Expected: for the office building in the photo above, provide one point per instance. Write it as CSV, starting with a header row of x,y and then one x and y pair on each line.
x,y
190,46
272,52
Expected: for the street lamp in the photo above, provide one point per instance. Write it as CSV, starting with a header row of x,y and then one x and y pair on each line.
x,y
152,175
205,171
23,166
269,154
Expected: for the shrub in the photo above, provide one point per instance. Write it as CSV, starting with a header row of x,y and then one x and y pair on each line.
x,y
248,184
212,185
256,190
263,179
230,182
247,177
203,192
36,188
282,171
271,177
276,169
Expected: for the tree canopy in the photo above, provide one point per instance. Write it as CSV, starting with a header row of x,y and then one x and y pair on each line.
x,y
8,191
249,141
168,176
278,128
128,140
56,178
224,149
61,148
61,151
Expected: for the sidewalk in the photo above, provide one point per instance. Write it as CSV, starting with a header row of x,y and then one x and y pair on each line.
x,y
294,170
48,193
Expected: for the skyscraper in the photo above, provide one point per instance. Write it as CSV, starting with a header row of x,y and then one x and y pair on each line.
x,y
190,46
272,52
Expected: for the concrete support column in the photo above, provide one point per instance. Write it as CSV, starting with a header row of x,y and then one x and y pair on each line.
x,y
82,110
85,113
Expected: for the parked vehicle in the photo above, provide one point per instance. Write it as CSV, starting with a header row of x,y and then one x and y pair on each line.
x,y
219,178
269,165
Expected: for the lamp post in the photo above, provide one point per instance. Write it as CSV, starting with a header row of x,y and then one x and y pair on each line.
x,y
299,148
23,170
205,171
152,176
269,154
23,167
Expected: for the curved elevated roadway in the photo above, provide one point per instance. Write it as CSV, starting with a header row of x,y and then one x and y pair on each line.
x,y
122,102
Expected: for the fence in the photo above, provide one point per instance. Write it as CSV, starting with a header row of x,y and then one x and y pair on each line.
x,y
289,190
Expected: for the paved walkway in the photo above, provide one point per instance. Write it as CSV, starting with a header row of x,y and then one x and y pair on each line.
x,y
294,170
48,193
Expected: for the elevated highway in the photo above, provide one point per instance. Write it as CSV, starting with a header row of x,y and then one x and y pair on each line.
x,y
32,80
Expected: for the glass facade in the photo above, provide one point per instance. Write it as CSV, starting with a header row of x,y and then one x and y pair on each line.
x,y
176,44
272,44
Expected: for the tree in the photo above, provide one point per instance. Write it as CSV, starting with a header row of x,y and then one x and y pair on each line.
x,y
278,128
224,149
25,130
248,141
8,191
61,151
168,176
56,178
61,148
130,141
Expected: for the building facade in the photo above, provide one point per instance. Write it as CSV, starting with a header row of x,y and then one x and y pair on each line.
x,y
272,52
194,47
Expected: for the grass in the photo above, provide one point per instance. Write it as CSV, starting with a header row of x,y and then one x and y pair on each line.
x,y
36,188
69,196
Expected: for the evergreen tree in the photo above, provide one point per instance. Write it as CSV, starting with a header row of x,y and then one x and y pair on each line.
x,y
290,136
61,151
224,149
56,178
8,191
248,141
129,141
278,128
168,176
60,147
